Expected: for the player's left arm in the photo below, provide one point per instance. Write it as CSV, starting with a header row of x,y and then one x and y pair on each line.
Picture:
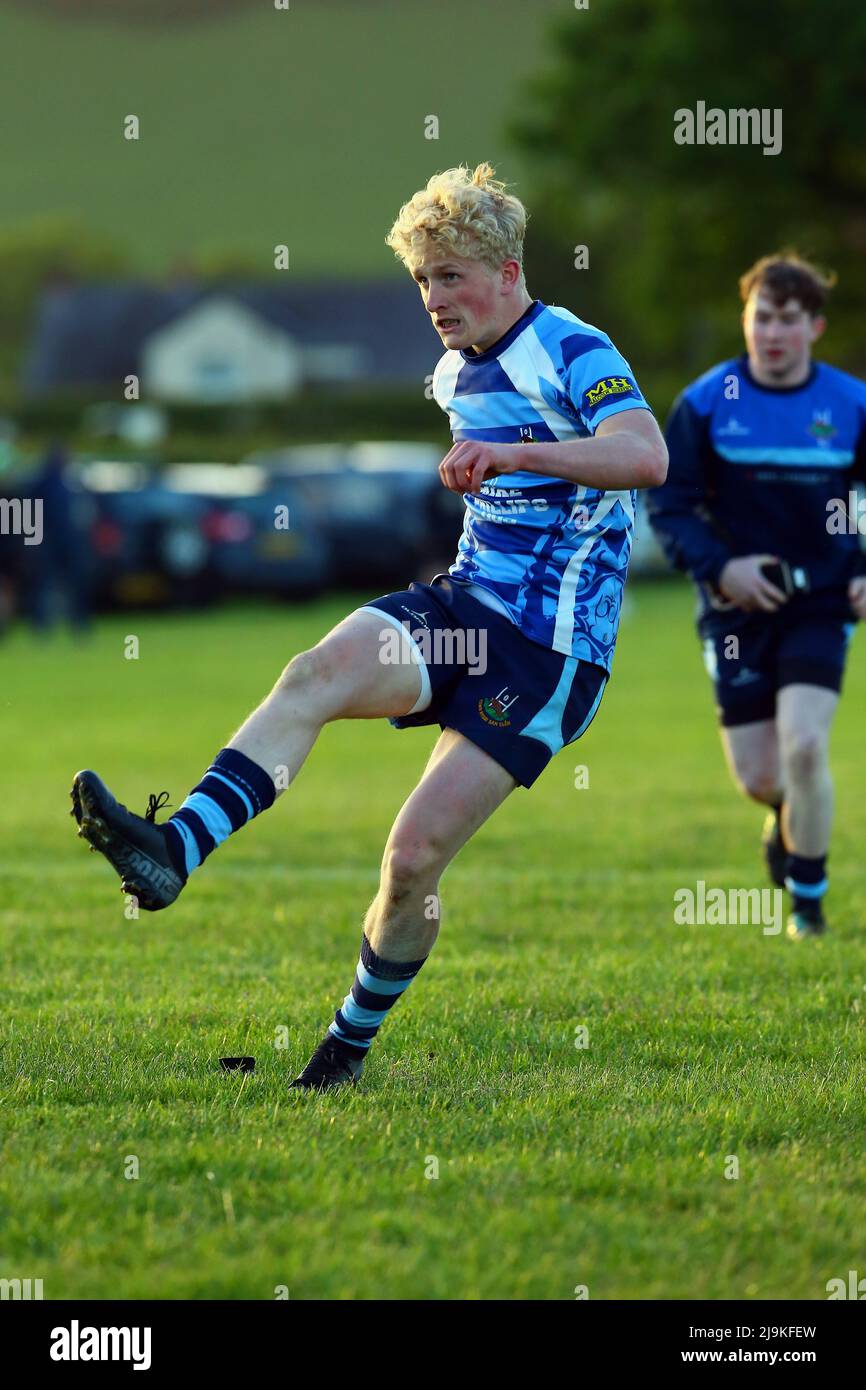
x,y
627,451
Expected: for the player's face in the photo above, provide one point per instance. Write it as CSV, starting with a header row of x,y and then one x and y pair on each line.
x,y
779,338
464,299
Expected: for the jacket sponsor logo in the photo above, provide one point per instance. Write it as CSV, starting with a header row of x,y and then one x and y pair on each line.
x,y
608,386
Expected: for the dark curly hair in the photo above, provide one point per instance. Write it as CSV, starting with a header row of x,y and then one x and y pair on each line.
x,y
786,275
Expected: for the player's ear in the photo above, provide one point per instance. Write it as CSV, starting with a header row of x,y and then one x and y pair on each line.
x,y
819,323
510,273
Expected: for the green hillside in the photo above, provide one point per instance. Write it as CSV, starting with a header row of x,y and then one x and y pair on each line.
x,y
303,126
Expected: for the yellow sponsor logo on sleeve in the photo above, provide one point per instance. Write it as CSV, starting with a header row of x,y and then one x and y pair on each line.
x,y
608,386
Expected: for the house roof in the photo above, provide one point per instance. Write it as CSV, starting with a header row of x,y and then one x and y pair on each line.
x,y
93,334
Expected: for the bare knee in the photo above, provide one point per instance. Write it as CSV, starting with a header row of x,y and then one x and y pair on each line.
x,y
310,676
757,783
804,753
300,672
411,866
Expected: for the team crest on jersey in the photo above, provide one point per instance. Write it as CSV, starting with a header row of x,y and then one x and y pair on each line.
x,y
822,427
495,710
526,434
608,386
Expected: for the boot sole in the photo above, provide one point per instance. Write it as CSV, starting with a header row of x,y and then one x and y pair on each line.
x,y
127,860
794,935
335,1085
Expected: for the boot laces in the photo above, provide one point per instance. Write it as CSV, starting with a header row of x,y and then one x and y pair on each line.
x,y
155,804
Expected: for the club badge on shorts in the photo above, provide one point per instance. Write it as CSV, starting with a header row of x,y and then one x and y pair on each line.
x,y
495,710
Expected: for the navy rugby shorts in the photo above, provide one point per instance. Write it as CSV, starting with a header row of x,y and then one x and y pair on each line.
x,y
751,656
519,701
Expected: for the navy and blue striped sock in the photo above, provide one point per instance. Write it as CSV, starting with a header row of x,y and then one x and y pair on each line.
x,y
233,790
806,879
377,986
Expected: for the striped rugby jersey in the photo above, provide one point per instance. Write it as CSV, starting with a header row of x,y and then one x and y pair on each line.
x,y
549,554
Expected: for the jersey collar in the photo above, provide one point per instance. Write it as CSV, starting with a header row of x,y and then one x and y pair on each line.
x,y
777,390
530,313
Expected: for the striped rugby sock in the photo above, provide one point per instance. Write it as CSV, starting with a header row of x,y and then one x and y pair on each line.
x,y
377,986
233,790
806,879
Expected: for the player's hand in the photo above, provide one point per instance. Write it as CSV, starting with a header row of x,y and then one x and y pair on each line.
x,y
857,596
745,584
468,464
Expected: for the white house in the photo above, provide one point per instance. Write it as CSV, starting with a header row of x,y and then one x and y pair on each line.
x,y
220,351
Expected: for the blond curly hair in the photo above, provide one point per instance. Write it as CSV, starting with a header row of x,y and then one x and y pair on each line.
x,y
463,213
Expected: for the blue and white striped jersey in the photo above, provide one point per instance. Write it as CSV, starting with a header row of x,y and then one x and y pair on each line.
x,y
550,554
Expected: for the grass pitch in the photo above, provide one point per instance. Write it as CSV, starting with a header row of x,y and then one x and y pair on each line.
x,y
558,1166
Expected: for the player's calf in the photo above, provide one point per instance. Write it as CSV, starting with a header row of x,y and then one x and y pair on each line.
x,y
401,926
805,717
460,789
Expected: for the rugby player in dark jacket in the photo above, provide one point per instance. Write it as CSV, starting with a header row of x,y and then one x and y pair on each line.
x,y
760,508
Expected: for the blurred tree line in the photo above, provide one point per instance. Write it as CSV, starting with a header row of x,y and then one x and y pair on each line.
x,y
669,228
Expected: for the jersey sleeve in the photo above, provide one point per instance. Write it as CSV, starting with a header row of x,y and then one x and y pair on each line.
x,y
677,509
600,383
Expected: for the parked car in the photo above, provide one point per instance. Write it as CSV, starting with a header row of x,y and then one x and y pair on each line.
x,y
192,533
147,547
261,531
410,471
382,507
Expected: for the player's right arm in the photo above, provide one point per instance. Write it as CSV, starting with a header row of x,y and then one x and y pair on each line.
x,y
679,515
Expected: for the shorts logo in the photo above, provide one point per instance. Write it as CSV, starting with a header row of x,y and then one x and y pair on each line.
x,y
608,386
420,618
745,677
495,710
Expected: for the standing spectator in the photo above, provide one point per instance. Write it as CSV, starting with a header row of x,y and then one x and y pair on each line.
x,y
56,568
